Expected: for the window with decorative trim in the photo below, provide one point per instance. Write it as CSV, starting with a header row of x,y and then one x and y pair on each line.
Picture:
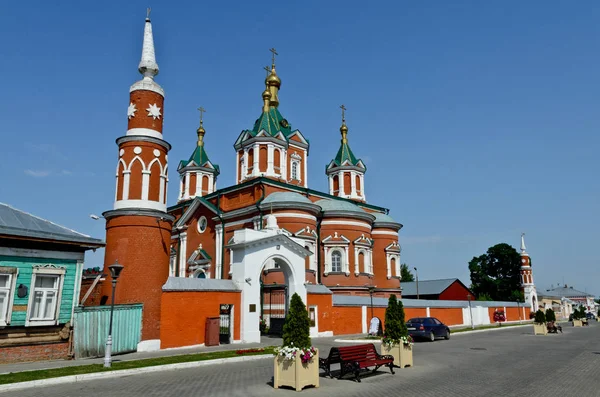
x,y
336,261
8,278
295,172
45,295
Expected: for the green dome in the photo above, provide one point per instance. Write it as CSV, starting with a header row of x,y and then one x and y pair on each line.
x,y
286,197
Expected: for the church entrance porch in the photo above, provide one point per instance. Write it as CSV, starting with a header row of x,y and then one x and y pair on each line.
x,y
266,296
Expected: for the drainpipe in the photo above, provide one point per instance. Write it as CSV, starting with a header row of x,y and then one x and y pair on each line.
x,y
178,253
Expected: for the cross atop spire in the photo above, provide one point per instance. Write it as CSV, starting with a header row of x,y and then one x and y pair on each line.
x,y
343,113
201,110
274,52
523,243
268,69
148,66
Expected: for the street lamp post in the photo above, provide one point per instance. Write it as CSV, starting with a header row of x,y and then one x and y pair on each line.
x,y
371,291
470,311
417,277
115,271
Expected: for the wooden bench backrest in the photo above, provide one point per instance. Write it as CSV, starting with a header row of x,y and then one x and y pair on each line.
x,y
366,352
334,355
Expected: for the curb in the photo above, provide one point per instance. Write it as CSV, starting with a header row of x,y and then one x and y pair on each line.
x,y
125,372
453,334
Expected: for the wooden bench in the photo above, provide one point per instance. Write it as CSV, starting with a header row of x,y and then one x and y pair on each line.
x,y
357,357
333,358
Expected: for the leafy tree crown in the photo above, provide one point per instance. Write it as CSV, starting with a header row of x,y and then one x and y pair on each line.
x,y
296,329
497,273
406,274
550,316
540,317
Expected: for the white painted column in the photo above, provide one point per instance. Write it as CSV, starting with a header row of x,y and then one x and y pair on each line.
x,y
330,185
305,169
166,189
347,270
211,183
353,184
218,249
145,184
362,187
326,260
182,254
341,179
255,170
398,267
270,159
186,187
161,193
126,177
427,312
245,165
284,174
356,268
389,266
282,163
117,187
198,192
365,323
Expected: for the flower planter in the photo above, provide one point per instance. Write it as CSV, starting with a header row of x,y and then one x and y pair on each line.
x,y
295,374
403,354
540,329
577,323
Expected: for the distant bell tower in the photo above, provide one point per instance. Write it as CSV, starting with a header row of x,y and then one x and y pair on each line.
x,y
345,172
138,228
527,285
198,175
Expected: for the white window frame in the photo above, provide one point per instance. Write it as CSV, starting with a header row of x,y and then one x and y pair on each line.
x,y
199,223
295,176
341,253
12,273
49,270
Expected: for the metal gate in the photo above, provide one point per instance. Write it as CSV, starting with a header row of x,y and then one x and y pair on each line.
x,y
225,324
274,307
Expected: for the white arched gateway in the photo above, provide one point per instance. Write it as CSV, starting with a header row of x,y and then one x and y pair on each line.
x,y
252,250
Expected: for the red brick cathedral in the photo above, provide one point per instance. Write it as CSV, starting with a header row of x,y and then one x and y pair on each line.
x,y
347,244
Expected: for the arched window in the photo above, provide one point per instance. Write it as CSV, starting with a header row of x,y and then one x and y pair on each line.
x,y
336,261
295,174
393,265
200,274
361,262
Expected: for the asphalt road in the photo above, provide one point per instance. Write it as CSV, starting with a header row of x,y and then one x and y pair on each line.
x,y
509,362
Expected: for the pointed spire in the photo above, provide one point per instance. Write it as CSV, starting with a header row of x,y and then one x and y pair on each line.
x,y
523,243
200,131
148,66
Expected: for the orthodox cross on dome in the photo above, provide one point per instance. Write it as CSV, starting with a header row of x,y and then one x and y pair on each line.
x,y
268,69
201,110
148,13
274,52
154,111
131,109
343,113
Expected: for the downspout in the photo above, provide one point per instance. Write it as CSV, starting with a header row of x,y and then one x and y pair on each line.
x,y
219,214
178,253
318,253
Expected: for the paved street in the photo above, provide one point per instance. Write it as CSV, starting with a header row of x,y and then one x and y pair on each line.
x,y
510,362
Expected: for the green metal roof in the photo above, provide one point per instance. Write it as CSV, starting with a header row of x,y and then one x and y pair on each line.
x,y
200,158
272,122
345,154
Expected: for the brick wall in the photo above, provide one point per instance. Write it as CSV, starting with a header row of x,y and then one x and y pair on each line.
x,y
42,352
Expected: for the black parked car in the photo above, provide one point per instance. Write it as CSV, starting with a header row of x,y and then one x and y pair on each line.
x,y
427,328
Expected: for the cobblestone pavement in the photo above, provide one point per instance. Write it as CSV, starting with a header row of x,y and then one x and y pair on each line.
x,y
511,362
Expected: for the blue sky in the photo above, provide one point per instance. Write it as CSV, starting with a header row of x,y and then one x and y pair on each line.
x,y
476,121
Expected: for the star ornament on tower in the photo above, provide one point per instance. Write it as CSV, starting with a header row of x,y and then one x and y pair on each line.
x,y
154,111
131,109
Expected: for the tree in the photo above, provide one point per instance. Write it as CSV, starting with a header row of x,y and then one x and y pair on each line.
x,y
550,316
296,329
540,317
395,327
497,273
407,276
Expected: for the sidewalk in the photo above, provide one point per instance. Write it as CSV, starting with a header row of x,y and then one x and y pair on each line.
x,y
32,366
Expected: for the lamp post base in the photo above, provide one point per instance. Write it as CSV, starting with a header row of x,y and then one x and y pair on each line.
x,y
107,352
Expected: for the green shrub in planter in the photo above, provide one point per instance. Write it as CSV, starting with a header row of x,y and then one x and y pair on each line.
x,y
296,329
550,316
540,317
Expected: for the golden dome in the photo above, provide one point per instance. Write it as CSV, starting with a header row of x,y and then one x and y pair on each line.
x,y
266,94
273,79
344,129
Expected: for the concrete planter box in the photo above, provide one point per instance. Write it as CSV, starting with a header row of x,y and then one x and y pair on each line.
x,y
403,355
295,374
540,329
577,323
